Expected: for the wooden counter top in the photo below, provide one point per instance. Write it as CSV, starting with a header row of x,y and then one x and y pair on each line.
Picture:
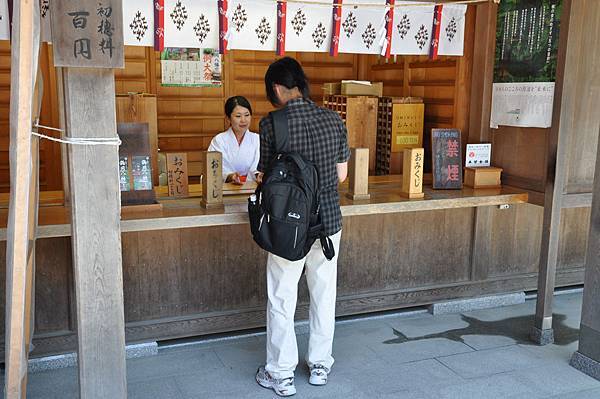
x,y
54,221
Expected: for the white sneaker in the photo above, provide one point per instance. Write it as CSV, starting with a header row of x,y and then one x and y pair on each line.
x,y
318,375
282,387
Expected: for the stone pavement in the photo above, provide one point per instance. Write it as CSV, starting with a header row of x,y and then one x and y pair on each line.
x,y
478,354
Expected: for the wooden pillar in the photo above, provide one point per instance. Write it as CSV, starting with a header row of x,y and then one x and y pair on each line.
x,y
95,209
574,121
587,357
212,179
22,207
358,171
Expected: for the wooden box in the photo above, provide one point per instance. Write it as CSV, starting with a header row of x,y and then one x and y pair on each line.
x,y
141,108
389,162
360,116
357,89
485,177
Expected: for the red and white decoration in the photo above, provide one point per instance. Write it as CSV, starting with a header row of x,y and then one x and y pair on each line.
x,y
385,27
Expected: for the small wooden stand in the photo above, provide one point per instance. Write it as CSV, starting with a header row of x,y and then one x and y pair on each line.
x,y
358,169
412,173
212,179
484,177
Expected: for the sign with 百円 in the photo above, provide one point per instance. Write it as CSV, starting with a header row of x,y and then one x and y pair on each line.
x,y
87,33
407,126
446,158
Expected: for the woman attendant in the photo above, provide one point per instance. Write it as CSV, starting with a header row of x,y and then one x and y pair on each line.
x,y
238,145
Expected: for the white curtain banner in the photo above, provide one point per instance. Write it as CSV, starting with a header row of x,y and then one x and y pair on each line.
x,y
191,24
252,25
308,27
522,104
411,34
138,22
362,27
4,22
452,29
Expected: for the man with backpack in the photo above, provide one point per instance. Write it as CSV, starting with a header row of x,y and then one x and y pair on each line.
x,y
314,136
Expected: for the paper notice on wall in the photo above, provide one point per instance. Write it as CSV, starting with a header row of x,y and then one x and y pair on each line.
x,y
4,22
522,104
190,67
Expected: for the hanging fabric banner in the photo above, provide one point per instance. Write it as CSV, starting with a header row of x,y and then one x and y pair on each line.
x,y
223,26
387,44
452,30
4,21
308,27
435,32
191,24
159,25
281,25
138,22
362,27
336,24
412,29
253,25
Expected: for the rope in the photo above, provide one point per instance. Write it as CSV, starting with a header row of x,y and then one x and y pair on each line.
x,y
77,140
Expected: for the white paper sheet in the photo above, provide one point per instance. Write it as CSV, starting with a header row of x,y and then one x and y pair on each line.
x,y
252,25
4,22
138,22
522,104
452,29
191,24
308,27
412,29
362,27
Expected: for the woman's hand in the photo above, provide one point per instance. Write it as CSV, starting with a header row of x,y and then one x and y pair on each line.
x,y
234,178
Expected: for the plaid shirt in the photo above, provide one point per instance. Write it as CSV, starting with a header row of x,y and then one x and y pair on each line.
x,y
319,135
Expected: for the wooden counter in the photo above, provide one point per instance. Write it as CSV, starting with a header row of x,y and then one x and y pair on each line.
x,y
186,213
188,271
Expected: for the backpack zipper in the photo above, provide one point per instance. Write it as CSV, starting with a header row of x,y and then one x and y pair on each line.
x,y
261,222
295,236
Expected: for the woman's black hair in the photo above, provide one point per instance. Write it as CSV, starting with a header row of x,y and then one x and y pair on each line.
x,y
286,72
233,102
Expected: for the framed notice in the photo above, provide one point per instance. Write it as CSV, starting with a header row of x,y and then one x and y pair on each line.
x,y
87,33
446,158
407,126
478,155
141,172
190,67
135,167
124,175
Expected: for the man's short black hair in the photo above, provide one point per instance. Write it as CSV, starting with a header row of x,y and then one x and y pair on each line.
x,y
233,102
286,72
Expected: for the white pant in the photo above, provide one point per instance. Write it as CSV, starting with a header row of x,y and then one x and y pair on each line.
x,y
282,289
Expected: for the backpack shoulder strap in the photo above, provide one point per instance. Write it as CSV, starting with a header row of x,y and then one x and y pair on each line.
x,y
280,128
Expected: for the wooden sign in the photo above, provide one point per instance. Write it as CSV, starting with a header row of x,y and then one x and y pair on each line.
x,y
87,33
177,174
212,179
135,165
407,126
412,175
358,169
446,158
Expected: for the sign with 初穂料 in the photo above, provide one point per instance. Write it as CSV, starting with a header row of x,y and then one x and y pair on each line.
x,y
87,33
407,126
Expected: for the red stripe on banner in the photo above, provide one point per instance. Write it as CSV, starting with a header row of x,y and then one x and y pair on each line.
x,y
223,26
159,25
281,19
435,32
336,25
389,27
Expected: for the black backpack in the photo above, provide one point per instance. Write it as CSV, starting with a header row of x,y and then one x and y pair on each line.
x,y
284,210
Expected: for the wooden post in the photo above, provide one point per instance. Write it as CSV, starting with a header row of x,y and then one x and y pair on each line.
x,y
412,173
212,179
21,218
358,168
587,357
557,159
95,206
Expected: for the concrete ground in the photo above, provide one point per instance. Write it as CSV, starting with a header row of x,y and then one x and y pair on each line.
x,y
478,354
